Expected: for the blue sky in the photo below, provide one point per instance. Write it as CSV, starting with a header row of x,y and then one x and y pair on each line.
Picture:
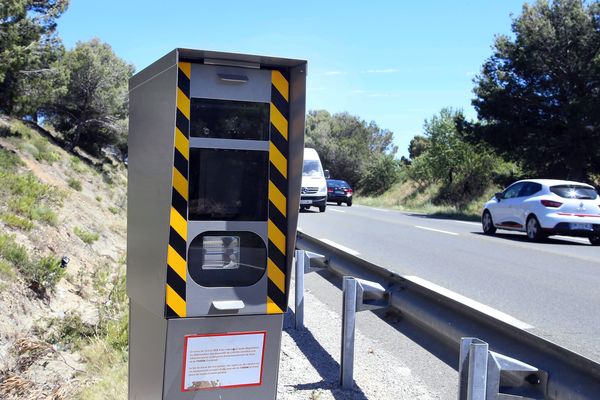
x,y
392,62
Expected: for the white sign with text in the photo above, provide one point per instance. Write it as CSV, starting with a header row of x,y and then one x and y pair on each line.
x,y
223,360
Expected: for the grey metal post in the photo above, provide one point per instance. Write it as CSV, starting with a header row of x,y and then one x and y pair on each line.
x,y
472,369
478,365
348,330
299,295
463,367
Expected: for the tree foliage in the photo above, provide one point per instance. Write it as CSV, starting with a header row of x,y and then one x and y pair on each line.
x,y
417,146
29,46
538,95
358,152
463,170
92,109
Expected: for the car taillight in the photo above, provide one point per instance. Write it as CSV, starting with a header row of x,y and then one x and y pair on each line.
x,y
329,190
550,203
349,191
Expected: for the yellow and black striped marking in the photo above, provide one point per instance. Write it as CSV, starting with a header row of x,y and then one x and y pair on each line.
x,y
278,165
177,252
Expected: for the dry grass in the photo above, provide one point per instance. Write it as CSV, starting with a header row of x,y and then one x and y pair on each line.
x,y
407,196
15,386
108,367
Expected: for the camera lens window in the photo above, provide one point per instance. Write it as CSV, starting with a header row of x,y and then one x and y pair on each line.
x,y
228,119
227,259
228,185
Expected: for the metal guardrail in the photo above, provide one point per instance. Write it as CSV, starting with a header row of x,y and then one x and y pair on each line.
x,y
570,376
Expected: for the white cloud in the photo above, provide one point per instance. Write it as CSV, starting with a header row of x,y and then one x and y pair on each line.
x,y
382,71
384,94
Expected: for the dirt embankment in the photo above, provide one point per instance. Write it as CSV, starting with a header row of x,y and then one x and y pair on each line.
x,y
44,333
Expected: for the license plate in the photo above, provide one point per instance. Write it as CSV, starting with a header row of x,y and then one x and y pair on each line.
x,y
339,192
581,227
305,201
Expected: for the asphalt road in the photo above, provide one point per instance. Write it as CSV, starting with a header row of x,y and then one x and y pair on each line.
x,y
551,288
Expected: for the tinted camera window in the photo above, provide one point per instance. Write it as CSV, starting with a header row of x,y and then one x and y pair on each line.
x,y
227,119
227,259
228,185
574,192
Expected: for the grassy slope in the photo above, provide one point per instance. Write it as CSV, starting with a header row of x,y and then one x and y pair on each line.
x,y
407,196
66,332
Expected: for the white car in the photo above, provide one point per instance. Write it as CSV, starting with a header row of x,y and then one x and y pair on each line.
x,y
544,207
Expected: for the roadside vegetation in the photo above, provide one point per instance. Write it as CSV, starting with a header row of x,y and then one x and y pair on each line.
x,y
31,213
86,236
26,199
536,99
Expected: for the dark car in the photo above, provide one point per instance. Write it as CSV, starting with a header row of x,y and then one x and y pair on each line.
x,y
339,192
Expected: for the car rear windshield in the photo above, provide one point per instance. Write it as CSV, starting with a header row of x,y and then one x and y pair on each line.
x,y
337,183
574,192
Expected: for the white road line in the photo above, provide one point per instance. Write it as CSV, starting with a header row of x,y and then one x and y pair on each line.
x,y
492,312
336,210
467,222
340,246
436,230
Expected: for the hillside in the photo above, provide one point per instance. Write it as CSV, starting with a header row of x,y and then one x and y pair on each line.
x,y
64,330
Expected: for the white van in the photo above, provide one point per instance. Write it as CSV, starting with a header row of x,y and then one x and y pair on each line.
x,y
314,186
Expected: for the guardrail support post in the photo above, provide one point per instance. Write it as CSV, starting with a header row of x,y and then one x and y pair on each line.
x,y
299,295
481,372
306,262
359,295
348,330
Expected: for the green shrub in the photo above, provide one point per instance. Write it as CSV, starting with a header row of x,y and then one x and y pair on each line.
x,y
42,274
380,174
44,153
77,165
29,148
6,270
19,129
106,354
9,161
114,318
74,184
86,236
27,197
44,214
69,331
15,221
99,199
114,210
101,279
12,252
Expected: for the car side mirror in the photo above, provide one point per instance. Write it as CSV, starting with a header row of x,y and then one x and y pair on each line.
x,y
326,172
499,196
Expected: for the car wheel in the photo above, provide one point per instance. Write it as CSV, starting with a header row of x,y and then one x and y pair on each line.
x,y
487,223
595,240
534,230
322,208
349,203
339,203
